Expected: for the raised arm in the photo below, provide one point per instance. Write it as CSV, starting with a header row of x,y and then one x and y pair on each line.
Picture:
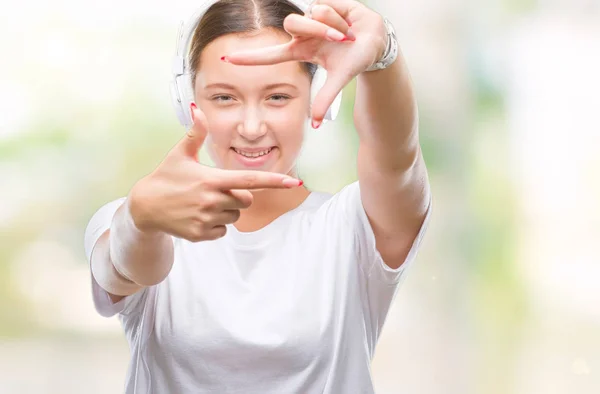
x,y
392,174
345,37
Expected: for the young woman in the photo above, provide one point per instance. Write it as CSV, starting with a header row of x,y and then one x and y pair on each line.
x,y
237,279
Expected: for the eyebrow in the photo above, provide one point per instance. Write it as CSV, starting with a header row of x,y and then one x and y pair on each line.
x,y
268,87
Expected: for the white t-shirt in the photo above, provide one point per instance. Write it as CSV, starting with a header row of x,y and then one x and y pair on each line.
x,y
296,307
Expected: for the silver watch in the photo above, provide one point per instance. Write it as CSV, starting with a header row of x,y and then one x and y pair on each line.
x,y
391,50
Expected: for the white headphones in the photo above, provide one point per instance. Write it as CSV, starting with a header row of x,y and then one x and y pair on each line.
x,y
181,87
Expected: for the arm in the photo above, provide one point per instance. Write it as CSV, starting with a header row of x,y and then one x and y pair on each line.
x,y
391,171
180,198
392,174
125,259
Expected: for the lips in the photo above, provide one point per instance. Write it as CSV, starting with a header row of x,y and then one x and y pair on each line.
x,y
253,153
254,158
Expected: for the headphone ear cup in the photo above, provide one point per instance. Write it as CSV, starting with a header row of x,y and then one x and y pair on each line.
x,y
319,80
177,104
182,95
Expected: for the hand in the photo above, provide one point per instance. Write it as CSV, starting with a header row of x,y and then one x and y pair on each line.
x,y
192,201
343,36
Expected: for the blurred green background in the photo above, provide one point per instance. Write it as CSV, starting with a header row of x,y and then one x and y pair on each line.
x,y
505,297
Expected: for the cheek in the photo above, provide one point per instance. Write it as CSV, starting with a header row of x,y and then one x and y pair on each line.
x,y
210,146
217,144
219,120
291,123
220,129
290,137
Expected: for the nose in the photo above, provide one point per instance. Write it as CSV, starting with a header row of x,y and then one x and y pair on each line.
x,y
253,127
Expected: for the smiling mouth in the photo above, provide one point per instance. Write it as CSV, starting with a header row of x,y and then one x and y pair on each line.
x,y
253,155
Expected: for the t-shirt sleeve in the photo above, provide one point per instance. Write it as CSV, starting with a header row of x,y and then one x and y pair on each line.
x,y
379,283
97,226
368,256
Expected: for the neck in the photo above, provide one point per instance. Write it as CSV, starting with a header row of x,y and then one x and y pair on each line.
x,y
268,205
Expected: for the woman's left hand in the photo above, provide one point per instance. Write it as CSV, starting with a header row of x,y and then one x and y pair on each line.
x,y
343,36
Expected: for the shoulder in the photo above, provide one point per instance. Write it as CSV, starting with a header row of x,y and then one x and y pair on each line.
x,y
338,203
330,211
315,200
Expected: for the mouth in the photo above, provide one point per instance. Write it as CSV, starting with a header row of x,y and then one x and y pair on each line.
x,y
253,157
253,154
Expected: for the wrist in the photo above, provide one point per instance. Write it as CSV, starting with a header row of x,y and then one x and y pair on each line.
x,y
383,41
388,52
135,218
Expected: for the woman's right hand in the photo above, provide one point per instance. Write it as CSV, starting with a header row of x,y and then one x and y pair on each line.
x,y
192,201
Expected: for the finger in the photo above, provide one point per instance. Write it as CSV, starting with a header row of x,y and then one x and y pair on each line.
x,y
226,217
195,136
251,180
215,233
210,200
325,97
262,56
244,197
235,199
328,16
342,7
300,26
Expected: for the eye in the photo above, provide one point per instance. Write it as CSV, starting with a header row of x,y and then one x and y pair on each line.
x,y
279,97
222,98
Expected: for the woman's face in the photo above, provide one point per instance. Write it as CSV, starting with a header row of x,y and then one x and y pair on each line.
x,y
256,114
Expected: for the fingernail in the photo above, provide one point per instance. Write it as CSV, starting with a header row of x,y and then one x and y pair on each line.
x,y
225,59
350,35
316,124
193,106
291,182
334,35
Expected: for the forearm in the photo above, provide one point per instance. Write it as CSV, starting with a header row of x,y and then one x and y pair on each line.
x,y
104,271
391,170
145,258
126,259
386,118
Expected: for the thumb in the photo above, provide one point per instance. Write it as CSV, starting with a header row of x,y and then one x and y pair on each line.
x,y
326,96
195,136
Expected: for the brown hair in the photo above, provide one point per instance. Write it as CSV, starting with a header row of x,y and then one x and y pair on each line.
x,y
240,16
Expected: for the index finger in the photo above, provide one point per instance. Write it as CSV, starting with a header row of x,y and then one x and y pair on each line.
x,y
262,56
252,180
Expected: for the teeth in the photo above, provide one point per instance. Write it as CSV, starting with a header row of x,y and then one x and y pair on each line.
x,y
254,154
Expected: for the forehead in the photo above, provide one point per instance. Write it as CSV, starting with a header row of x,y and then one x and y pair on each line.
x,y
214,70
